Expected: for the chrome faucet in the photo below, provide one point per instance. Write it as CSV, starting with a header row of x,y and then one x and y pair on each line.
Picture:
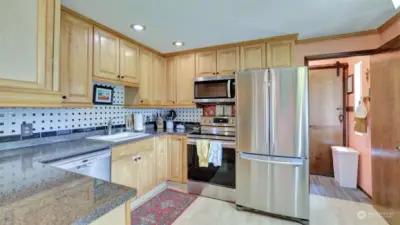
x,y
109,126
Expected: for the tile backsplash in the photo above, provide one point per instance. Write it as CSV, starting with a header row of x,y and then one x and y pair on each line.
x,y
54,119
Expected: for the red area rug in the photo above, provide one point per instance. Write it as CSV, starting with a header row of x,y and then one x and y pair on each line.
x,y
162,209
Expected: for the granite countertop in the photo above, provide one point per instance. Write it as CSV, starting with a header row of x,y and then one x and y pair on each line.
x,y
35,193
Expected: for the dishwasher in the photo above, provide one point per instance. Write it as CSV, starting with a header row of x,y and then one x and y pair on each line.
x,y
95,164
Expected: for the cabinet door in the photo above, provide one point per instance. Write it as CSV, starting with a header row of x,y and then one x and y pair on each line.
x,y
228,61
106,55
280,54
159,79
125,171
171,80
161,158
175,158
147,172
29,53
145,74
128,63
252,57
76,60
206,64
184,79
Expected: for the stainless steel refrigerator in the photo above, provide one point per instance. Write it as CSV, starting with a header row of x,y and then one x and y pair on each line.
x,y
272,146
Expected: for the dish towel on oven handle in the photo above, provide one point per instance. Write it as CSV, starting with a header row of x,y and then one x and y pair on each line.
x,y
215,154
203,148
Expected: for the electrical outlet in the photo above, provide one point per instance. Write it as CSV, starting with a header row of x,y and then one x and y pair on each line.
x,y
26,129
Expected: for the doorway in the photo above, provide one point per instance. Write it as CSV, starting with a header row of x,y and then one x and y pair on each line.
x,y
327,119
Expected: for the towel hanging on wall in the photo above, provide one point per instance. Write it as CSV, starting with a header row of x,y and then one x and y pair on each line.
x,y
361,114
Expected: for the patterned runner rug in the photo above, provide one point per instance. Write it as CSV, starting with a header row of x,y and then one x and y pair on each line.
x,y
162,209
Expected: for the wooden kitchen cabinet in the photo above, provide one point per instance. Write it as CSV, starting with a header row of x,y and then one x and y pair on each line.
x,y
106,56
128,63
161,143
184,79
145,76
147,172
228,61
29,43
171,81
177,158
252,57
280,53
206,64
139,173
76,61
159,80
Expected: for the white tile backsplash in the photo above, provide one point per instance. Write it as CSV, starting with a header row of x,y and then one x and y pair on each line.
x,y
53,119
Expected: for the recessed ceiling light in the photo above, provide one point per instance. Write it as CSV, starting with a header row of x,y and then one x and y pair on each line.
x,y
396,3
138,27
178,43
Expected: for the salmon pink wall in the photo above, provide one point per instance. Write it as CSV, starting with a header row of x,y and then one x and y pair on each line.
x,y
366,42
391,32
360,143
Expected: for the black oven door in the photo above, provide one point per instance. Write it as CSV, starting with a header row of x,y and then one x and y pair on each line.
x,y
223,175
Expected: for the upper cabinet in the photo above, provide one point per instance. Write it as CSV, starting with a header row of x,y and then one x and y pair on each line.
x,y
145,76
76,61
184,79
280,53
216,63
252,57
128,63
159,80
106,55
171,80
228,61
206,64
30,34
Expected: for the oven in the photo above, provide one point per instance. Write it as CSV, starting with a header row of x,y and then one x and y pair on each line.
x,y
217,182
214,89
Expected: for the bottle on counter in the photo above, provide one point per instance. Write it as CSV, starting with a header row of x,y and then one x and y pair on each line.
x,y
160,122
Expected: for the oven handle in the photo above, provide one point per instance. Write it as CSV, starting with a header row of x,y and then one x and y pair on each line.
x,y
225,144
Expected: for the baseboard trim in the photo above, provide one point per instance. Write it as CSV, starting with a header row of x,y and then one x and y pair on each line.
x,y
149,195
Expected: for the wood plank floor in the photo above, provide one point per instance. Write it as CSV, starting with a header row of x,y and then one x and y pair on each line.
x,y
327,186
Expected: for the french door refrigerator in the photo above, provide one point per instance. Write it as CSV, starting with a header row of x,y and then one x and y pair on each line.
x,y
272,146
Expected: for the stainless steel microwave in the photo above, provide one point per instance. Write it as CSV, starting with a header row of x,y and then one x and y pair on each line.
x,y
214,89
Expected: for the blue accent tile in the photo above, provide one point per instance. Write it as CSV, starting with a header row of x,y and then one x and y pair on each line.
x,y
78,130
10,138
90,129
101,128
64,132
33,136
48,134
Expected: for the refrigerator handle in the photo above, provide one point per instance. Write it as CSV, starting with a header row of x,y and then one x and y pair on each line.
x,y
271,112
295,163
228,88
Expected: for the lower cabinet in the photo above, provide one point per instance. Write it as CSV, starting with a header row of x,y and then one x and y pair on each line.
x,y
177,158
118,216
133,165
147,163
161,158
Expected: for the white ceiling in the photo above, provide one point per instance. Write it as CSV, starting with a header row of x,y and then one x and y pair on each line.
x,y
201,23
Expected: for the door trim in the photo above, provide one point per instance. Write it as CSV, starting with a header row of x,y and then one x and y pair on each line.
x,y
345,67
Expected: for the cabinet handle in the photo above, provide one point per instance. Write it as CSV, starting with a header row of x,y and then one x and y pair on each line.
x,y
141,101
122,77
213,73
398,148
118,76
134,158
217,72
234,72
64,97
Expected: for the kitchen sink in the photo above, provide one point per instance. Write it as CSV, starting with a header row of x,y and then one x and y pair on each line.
x,y
118,137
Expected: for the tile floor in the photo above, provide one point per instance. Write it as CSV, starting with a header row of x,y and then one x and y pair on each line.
x,y
324,211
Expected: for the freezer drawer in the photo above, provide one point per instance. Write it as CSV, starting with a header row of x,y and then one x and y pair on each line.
x,y
273,184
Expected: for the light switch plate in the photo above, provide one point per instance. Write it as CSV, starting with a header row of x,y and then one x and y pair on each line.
x,y
26,129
